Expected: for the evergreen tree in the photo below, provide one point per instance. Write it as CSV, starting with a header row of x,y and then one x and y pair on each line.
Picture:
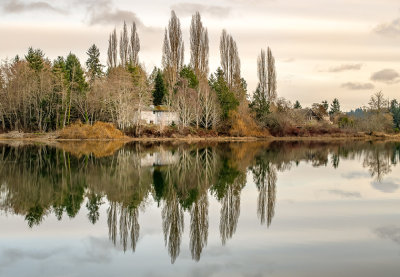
x,y
74,74
189,75
395,111
260,104
76,84
325,105
335,107
226,97
93,64
35,58
297,105
160,89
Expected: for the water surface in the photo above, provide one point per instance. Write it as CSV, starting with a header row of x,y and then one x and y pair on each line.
x,y
230,209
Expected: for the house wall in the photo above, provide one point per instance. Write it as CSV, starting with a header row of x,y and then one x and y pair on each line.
x,y
159,117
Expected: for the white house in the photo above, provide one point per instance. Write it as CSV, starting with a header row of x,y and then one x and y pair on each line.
x,y
159,158
159,115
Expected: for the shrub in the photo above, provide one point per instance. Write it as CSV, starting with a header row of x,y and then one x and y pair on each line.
x,y
99,130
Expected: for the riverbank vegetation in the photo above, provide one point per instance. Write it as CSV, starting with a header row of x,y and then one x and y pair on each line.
x,y
39,95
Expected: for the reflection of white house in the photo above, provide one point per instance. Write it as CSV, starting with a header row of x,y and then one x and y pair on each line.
x,y
159,115
159,158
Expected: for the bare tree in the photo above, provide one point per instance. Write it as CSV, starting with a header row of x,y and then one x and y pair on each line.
x,y
199,46
208,105
186,103
267,75
230,61
134,46
142,94
271,76
112,50
173,51
124,46
378,102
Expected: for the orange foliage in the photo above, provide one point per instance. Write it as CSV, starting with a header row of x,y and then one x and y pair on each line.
x,y
243,125
99,130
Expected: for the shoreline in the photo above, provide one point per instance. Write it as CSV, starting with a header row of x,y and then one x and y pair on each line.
x,y
49,138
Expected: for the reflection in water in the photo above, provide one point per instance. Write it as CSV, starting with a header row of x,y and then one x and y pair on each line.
x,y
264,174
36,181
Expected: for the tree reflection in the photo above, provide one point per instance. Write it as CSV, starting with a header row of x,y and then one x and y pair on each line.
x,y
173,224
378,162
199,226
264,174
37,181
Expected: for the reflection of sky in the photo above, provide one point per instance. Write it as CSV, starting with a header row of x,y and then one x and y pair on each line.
x,y
327,223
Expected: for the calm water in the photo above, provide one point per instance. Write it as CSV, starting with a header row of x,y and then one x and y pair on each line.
x,y
239,209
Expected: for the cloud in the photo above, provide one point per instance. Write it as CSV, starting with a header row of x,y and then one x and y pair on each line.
x,y
345,194
356,175
97,250
387,186
391,29
389,232
186,8
388,76
104,12
358,86
15,6
113,17
13,255
345,67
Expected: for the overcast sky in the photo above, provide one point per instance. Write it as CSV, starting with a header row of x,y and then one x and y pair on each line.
x,y
347,49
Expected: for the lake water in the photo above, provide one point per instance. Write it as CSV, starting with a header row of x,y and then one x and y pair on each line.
x,y
228,209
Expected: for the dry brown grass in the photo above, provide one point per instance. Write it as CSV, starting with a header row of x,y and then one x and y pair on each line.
x,y
99,131
245,126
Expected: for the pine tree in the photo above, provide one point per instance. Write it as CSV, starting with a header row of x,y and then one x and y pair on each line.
x,y
297,105
35,58
189,75
93,64
75,74
226,97
160,89
335,107
76,83
325,105
260,105
395,111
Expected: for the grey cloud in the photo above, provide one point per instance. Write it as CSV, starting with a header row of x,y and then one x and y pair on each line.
x,y
13,255
358,86
345,67
186,8
104,12
113,17
388,76
356,175
391,29
345,194
98,251
387,186
16,6
389,232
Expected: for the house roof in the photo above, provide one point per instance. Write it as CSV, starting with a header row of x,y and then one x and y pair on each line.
x,y
160,108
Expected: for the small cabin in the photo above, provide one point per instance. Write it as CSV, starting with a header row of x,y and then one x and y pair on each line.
x,y
313,115
159,115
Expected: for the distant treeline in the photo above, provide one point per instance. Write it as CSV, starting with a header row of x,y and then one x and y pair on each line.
x,y
37,94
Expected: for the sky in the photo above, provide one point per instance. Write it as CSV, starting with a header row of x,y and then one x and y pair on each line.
x,y
348,49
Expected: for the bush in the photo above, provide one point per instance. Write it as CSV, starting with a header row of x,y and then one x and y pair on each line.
x,y
99,130
245,126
